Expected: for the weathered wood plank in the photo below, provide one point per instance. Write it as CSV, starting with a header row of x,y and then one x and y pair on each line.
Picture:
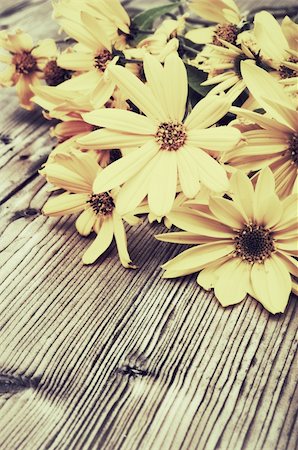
x,y
103,357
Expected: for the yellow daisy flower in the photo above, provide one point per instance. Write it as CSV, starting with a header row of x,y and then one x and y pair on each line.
x,y
26,62
218,11
89,58
278,46
169,147
163,41
274,141
76,173
243,245
223,12
111,12
60,103
223,65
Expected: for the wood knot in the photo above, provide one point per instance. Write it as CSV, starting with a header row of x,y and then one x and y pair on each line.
x,y
132,371
5,139
28,212
10,384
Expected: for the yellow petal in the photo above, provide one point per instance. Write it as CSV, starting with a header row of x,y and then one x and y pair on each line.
x,y
124,168
85,222
183,237
137,92
135,189
218,138
233,281
200,224
156,81
290,31
207,112
176,86
226,212
120,120
100,243
196,258
272,284
121,242
269,36
259,119
65,204
163,183
188,173
96,30
110,139
212,174
76,61
73,172
267,91
202,35
243,194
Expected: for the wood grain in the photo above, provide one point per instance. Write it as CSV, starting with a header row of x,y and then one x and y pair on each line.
x,y
101,357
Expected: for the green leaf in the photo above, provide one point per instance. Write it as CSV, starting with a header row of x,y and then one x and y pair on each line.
x,y
145,20
195,78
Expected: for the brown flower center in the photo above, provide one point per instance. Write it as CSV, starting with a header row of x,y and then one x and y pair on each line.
x,y
102,59
293,148
227,32
171,136
25,63
254,243
54,74
287,72
102,204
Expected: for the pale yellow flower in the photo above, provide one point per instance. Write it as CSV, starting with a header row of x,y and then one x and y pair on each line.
x,y
110,12
90,58
274,141
223,65
163,41
223,12
218,11
170,149
26,62
278,46
246,244
76,173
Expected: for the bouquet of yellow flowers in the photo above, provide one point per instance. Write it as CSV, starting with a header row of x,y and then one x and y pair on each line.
x,y
190,123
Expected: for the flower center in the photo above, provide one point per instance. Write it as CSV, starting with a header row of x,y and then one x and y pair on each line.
x,y
55,74
25,63
227,32
102,59
293,148
254,243
287,72
171,136
102,204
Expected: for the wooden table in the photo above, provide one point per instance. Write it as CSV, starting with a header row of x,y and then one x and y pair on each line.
x,y
103,357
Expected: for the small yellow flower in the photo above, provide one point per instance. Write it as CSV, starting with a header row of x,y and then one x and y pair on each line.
x,y
274,140
278,46
76,173
89,59
164,147
26,62
247,244
223,12
218,11
163,41
223,65
109,12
